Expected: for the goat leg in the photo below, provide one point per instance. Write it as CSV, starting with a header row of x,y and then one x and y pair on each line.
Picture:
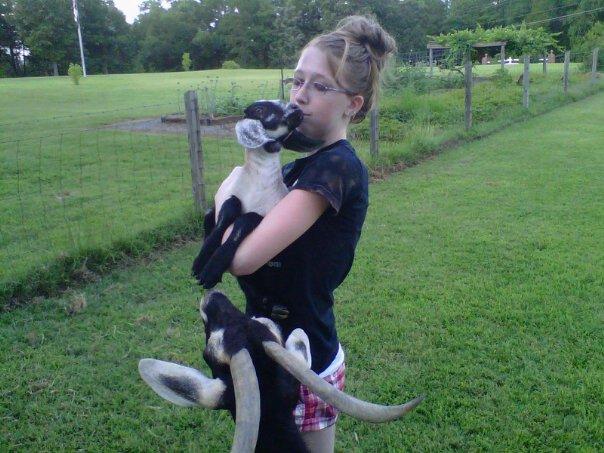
x,y
222,257
229,211
209,221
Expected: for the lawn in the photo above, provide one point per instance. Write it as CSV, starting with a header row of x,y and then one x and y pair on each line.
x,y
478,282
39,106
76,197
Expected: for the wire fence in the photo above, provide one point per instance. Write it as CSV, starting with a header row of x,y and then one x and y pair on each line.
x,y
429,100
82,189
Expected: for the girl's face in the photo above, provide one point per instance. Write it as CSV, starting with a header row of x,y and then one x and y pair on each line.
x,y
327,113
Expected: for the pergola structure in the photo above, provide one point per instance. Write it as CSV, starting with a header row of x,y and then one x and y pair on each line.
x,y
435,46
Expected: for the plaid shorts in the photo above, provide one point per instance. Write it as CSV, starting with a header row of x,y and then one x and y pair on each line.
x,y
312,413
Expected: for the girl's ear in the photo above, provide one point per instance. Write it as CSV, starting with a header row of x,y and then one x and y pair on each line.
x,y
356,102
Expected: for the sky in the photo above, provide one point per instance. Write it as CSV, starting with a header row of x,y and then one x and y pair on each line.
x,y
129,8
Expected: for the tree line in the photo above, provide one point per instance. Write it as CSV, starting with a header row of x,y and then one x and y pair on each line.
x,y
39,37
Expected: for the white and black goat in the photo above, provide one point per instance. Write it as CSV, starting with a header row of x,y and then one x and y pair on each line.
x,y
250,191
256,377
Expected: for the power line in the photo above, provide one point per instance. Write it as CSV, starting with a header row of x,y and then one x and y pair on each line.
x,y
501,21
482,8
513,18
566,15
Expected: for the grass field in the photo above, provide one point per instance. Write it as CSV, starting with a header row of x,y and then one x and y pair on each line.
x,y
76,197
39,106
478,282
73,194
535,68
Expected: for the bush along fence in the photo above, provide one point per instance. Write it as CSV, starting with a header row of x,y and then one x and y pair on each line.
x,y
466,95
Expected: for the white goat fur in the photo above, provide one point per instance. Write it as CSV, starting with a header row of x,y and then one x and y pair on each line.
x,y
258,183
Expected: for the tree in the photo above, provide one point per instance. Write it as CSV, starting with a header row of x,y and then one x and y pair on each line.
x,y
10,42
107,37
164,35
48,31
186,61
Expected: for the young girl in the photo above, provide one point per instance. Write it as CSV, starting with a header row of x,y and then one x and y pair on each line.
x,y
289,266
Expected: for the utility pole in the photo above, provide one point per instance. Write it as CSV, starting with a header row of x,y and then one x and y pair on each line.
x,y
77,20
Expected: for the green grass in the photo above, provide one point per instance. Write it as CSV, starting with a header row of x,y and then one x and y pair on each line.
x,y
76,198
478,282
535,68
39,106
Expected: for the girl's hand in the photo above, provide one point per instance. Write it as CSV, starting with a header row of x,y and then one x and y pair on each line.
x,y
285,223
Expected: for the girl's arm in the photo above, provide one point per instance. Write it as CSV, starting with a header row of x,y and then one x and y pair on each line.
x,y
285,223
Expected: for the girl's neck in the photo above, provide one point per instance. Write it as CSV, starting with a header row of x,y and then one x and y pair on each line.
x,y
330,141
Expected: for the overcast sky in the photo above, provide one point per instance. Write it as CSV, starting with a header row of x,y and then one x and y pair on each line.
x,y
129,8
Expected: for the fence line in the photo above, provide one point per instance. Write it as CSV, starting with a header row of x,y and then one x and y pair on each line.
x,y
65,191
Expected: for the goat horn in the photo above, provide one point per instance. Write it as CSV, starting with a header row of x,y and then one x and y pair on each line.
x,y
247,402
354,407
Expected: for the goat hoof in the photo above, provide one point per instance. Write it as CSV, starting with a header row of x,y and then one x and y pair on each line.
x,y
209,279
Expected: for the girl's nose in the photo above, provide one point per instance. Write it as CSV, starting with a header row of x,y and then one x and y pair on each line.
x,y
301,95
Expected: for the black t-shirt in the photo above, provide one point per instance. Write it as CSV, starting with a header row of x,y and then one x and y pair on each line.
x,y
302,277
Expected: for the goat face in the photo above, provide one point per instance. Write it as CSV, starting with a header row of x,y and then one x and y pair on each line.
x,y
277,118
241,372
256,378
271,124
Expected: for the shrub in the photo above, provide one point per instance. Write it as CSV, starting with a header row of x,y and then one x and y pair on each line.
x,y
593,38
186,61
230,64
419,80
502,77
75,73
232,104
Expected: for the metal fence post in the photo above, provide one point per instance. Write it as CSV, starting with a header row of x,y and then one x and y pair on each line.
x,y
468,85
566,64
526,82
594,65
374,125
195,150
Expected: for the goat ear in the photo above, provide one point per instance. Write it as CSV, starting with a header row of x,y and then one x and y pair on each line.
x,y
181,385
298,343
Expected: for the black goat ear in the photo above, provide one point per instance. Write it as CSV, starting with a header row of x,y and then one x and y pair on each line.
x,y
181,385
297,141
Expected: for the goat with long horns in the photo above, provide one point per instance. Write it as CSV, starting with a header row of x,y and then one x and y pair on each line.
x,y
256,377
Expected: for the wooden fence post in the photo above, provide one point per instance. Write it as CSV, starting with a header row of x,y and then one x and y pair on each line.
x,y
195,150
431,63
468,85
525,82
544,63
282,88
594,65
566,64
502,57
375,136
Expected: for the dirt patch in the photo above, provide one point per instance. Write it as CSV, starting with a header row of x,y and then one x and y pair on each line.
x,y
157,126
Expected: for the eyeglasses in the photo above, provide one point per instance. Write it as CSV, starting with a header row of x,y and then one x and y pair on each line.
x,y
295,84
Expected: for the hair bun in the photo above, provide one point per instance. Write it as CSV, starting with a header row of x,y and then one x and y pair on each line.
x,y
368,33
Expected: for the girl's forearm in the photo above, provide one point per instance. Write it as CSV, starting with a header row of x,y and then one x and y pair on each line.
x,y
285,223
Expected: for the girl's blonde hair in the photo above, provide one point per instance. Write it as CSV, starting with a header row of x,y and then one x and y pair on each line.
x,y
357,51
